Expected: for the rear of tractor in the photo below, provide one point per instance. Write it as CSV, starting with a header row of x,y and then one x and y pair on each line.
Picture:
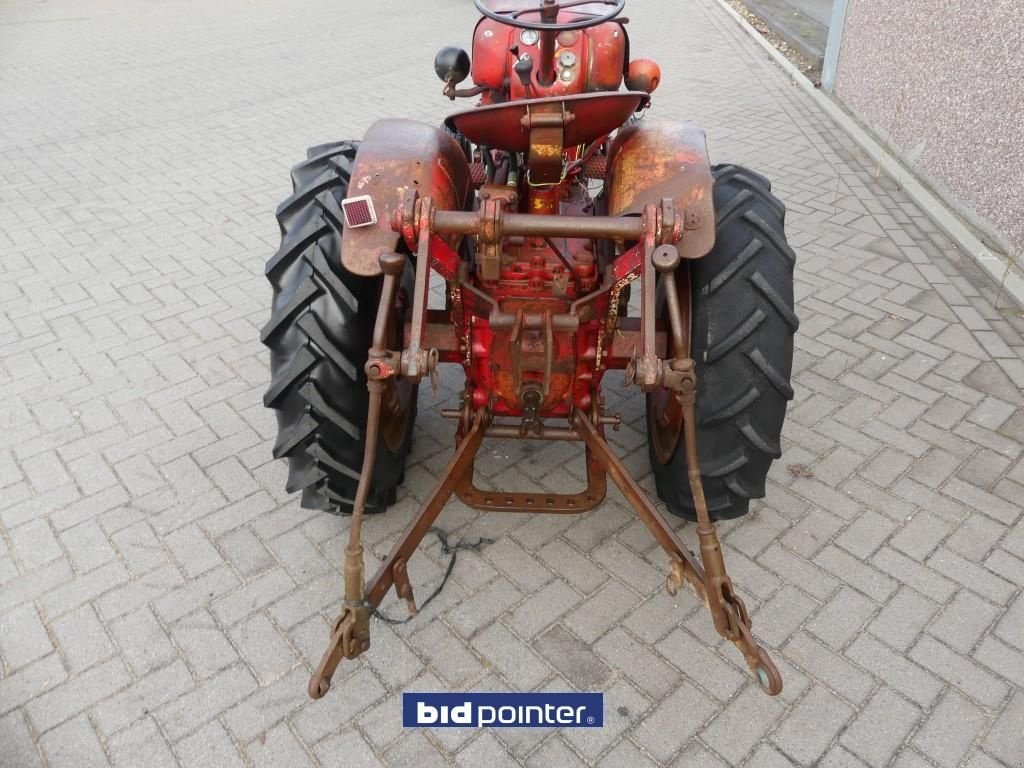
x,y
541,209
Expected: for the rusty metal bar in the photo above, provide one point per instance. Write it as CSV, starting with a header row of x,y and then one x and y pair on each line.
x,y
558,434
684,565
660,530
530,225
648,295
421,293
454,473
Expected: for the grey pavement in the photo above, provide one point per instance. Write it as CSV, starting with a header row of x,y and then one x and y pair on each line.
x,y
162,600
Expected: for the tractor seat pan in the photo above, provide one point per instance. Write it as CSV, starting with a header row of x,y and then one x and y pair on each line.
x,y
584,118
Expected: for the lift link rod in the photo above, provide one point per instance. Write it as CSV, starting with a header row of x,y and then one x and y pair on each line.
x,y
728,611
350,635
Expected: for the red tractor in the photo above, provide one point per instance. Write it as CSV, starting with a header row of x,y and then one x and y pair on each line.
x,y
539,208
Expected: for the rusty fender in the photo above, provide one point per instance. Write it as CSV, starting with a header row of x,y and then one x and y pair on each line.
x,y
650,161
396,156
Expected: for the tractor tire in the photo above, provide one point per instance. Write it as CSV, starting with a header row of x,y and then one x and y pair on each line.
x,y
742,328
319,335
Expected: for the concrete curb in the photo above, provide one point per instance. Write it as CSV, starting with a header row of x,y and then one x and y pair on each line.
x,y
994,264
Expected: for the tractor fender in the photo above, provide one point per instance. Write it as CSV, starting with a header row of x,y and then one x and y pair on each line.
x,y
651,161
394,157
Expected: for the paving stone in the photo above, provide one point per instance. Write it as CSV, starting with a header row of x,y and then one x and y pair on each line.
x,y
446,654
19,749
394,663
881,727
903,619
962,623
576,661
23,637
485,606
193,550
972,576
511,657
984,688
142,697
999,509
77,694
35,544
950,730
842,617
626,708
769,757
31,681
209,747
186,713
812,725
674,721
742,724
416,750
554,751
1002,659
625,753
82,638
1011,625
521,568
143,641
909,572
485,750
136,593
267,653
812,532
823,664
299,556
277,747
661,613
783,615
796,570
543,608
250,598
87,545
1005,740
865,534
873,582
901,674
74,743
601,611
317,719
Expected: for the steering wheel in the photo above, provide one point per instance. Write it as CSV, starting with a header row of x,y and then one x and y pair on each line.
x,y
550,9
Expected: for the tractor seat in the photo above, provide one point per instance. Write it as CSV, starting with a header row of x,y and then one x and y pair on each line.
x,y
582,118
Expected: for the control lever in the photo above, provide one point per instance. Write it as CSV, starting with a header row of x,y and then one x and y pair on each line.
x,y
524,69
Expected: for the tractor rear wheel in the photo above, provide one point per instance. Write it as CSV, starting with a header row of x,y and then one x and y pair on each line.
x,y
319,335
742,328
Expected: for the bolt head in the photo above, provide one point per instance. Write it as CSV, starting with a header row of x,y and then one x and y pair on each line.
x,y
392,263
665,258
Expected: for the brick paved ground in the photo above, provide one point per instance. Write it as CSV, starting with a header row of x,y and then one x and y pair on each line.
x,y
161,599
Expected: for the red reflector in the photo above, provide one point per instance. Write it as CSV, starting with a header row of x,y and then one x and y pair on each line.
x,y
359,212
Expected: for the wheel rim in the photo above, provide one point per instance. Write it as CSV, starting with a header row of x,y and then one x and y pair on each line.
x,y
665,414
